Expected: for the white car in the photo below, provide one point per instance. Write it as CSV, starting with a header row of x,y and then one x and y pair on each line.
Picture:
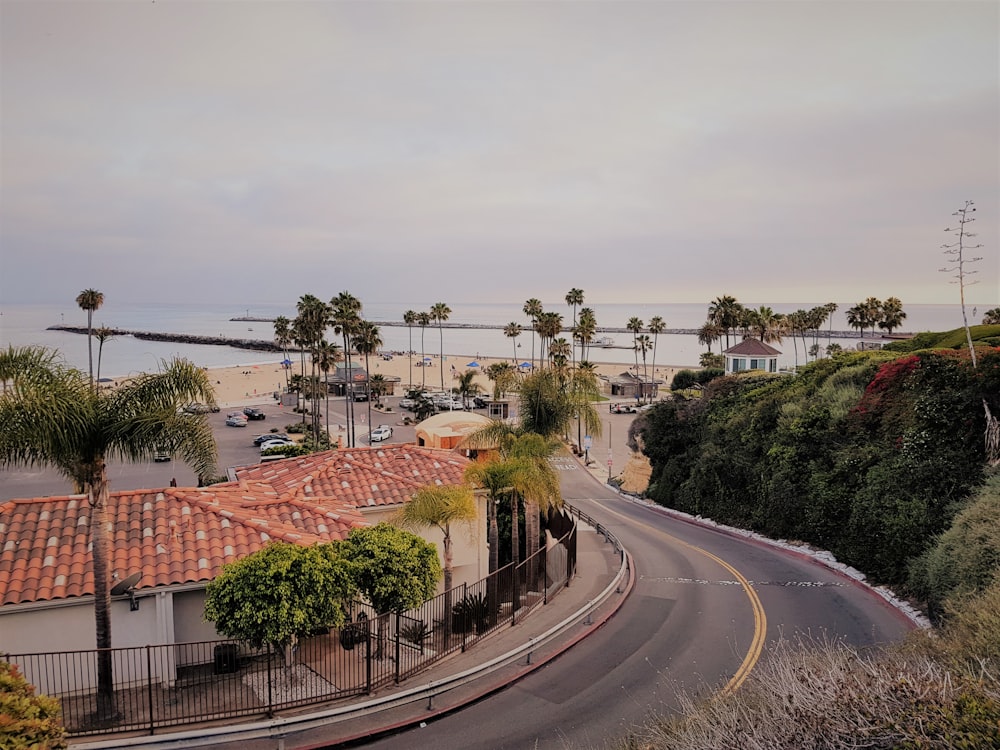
x,y
236,420
406,403
380,433
268,444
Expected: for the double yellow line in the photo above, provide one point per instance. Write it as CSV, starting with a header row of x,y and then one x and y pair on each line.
x,y
759,618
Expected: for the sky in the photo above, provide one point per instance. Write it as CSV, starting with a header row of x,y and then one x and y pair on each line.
x,y
458,151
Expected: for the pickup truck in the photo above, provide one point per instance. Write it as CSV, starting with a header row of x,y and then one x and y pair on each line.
x,y
623,408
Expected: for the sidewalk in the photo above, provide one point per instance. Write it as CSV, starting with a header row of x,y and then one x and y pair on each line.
x,y
598,590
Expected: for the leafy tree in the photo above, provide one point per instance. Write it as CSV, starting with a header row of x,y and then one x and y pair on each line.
x,y
440,506
90,300
992,317
712,361
393,568
51,416
280,594
27,720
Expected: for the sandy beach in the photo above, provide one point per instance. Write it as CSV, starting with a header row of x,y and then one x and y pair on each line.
x,y
257,383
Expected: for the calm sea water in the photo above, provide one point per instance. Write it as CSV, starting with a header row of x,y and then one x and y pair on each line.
x,y
27,324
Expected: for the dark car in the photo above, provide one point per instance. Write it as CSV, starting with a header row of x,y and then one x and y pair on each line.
x,y
269,436
360,396
479,402
253,413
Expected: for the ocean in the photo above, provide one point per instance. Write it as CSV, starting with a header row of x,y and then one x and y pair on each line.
x,y
27,324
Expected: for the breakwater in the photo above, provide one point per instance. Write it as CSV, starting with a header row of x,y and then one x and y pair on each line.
x,y
258,345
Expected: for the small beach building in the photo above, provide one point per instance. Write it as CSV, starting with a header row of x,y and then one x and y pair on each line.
x,y
629,385
448,428
751,354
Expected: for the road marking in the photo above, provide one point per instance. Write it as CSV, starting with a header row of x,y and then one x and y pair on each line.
x,y
759,617
802,584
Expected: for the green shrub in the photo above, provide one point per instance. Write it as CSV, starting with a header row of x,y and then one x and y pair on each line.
x,y
297,428
415,632
27,720
470,614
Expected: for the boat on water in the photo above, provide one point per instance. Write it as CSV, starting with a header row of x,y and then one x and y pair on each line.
x,y
605,342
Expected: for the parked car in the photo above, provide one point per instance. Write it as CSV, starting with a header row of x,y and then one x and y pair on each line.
x,y
236,420
360,396
623,408
406,403
161,454
266,446
479,402
380,433
269,436
196,408
253,413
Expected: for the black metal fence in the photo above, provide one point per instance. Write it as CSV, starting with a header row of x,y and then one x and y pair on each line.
x,y
170,685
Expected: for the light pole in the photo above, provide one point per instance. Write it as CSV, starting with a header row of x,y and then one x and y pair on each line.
x,y
609,451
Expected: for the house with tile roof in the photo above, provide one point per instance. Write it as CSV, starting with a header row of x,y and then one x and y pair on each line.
x,y
751,354
178,538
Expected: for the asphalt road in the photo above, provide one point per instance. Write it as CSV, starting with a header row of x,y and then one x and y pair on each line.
x,y
704,604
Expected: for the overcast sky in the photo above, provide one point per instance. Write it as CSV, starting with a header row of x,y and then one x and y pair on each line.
x,y
474,151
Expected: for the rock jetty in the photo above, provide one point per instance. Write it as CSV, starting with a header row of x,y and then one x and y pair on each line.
x,y
183,338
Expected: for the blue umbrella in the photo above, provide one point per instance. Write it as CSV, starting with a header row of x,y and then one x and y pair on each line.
x,y
286,362
473,363
525,364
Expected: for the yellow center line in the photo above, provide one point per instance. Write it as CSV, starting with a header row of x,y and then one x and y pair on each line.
x,y
759,618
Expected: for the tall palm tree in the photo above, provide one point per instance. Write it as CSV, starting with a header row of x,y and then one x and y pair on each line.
x,y
766,324
709,333
830,308
440,312
559,353
467,386
634,325
52,416
326,355
533,309
872,308
725,312
856,318
367,342
574,297
440,506
346,317
586,328
311,323
504,377
283,337
410,317
892,315
549,326
656,327
423,320
512,331
643,344
102,334
90,300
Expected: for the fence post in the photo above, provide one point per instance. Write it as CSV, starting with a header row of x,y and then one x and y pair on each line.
x,y
545,575
149,685
397,646
515,595
465,630
368,656
270,702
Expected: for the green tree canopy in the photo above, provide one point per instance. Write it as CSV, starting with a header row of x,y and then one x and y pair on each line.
x,y
393,568
280,594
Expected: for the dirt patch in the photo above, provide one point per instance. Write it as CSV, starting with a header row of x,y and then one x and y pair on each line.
x,y
635,476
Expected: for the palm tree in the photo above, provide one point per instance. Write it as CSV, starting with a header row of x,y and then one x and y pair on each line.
x,y
90,300
656,327
283,337
326,356
586,327
855,318
102,334
311,323
504,377
559,352
423,320
634,325
574,297
766,324
467,386
410,317
512,331
378,387
643,344
440,312
52,416
892,315
367,342
533,309
346,316
830,308
709,333
549,326
725,312
440,506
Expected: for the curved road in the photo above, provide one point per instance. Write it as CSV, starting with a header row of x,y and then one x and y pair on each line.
x,y
704,605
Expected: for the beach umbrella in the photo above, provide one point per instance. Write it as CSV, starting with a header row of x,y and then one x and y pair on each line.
x,y
525,364
286,362
473,363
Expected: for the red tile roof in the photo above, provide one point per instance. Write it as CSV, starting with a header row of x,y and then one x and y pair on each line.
x,y
753,348
183,535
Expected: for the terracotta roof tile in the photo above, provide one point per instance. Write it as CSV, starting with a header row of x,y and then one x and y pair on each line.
x,y
183,535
